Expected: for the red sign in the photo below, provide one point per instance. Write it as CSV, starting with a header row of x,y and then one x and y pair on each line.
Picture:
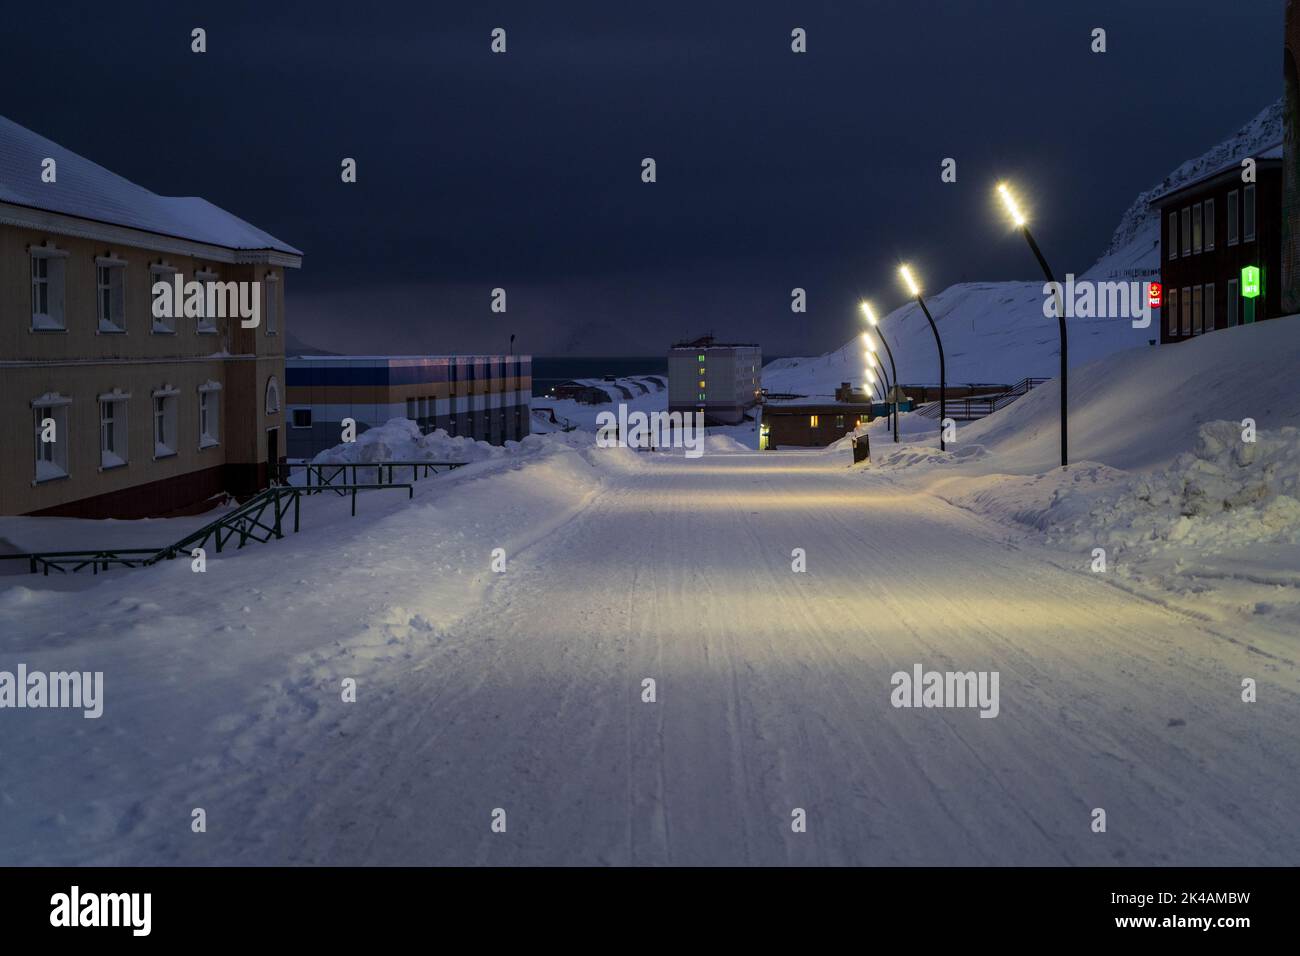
x,y
1154,294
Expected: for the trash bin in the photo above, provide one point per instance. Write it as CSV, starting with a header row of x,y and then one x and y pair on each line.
x,y
861,448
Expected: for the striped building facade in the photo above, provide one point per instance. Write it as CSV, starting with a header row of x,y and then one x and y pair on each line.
x,y
485,397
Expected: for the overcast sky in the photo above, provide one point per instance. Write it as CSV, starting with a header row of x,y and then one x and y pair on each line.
x,y
523,170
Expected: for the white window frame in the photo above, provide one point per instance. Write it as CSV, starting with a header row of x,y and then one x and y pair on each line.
x,y
209,414
163,406
1187,231
1197,233
110,316
1171,306
119,446
1234,217
51,405
272,396
1186,323
162,272
271,314
1248,224
205,324
1234,304
54,283
1173,234
1209,224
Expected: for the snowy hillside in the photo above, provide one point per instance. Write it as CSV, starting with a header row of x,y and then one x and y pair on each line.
x,y
996,331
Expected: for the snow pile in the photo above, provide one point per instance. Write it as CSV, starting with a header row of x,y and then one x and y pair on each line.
x,y
1226,493
400,439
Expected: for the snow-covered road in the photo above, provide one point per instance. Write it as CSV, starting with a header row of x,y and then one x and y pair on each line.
x,y
773,693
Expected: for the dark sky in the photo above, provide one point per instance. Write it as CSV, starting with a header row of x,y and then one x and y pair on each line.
x,y
522,170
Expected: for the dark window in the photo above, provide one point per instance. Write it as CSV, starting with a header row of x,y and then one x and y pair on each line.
x,y
1232,218
302,418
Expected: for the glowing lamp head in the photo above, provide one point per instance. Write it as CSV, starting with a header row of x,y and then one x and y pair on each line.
x,y
909,281
870,315
1009,201
869,342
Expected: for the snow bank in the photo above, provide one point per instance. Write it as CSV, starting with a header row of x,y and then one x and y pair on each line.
x,y
400,439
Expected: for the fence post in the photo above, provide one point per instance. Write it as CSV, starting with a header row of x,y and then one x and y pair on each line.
x,y
278,532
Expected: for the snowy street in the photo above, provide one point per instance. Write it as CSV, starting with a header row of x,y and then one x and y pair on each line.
x,y
773,693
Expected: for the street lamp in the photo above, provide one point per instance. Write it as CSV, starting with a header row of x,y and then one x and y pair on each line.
x,y
1013,210
875,324
915,290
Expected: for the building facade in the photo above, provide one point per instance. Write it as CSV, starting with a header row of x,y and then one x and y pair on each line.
x,y
107,409
1221,250
484,397
721,380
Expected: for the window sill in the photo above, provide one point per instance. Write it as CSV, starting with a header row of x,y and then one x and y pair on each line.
x,y
209,443
206,330
47,330
45,481
109,330
170,454
103,468
159,330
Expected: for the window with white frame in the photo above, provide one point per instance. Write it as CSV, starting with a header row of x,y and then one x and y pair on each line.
x,y
271,314
1171,309
1186,298
209,414
1197,315
1173,235
162,324
50,418
1209,224
1196,228
272,396
165,440
47,266
1233,305
110,294
204,323
1187,230
1248,213
1233,224
112,429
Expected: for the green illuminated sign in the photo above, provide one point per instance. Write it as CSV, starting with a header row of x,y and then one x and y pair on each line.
x,y
1250,282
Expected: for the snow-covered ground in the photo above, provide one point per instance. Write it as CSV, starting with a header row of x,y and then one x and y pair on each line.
x,y
523,690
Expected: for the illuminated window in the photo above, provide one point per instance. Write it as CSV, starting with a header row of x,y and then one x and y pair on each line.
x,y
702,383
701,358
812,421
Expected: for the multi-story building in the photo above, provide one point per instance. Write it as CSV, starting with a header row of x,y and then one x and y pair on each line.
x,y
107,410
1220,254
721,380
485,397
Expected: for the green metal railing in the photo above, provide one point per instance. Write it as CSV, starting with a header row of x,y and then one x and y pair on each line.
x,y
327,476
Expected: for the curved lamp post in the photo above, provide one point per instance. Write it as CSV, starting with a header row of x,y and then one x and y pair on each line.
x,y
1023,225
872,358
875,324
915,290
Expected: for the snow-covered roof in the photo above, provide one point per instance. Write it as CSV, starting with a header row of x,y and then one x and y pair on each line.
x,y
87,190
1273,152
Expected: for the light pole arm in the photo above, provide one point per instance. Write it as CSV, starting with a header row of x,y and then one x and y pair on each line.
x,y
1060,318
943,378
893,373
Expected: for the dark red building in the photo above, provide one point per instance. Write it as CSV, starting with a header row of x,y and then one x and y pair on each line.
x,y
1212,231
